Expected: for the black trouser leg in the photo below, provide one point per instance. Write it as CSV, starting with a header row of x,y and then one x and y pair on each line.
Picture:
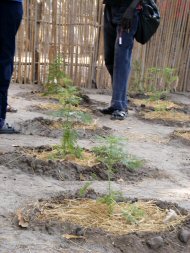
x,y
10,18
110,35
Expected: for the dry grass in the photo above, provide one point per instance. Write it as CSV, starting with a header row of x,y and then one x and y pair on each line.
x,y
49,96
76,125
157,105
56,125
57,107
169,116
50,106
182,134
88,158
93,214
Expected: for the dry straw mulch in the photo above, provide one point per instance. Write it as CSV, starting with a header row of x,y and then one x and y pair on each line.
x,y
183,134
95,215
156,105
57,107
87,159
49,106
172,117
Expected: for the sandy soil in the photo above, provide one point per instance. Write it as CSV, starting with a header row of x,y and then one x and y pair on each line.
x,y
145,140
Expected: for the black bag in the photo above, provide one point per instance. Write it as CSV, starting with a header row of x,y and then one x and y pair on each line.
x,y
149,21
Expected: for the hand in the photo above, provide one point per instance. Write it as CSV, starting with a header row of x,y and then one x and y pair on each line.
x,y
127,19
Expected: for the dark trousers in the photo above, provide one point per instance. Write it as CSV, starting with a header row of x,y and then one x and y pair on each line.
x,y
10,19
118,46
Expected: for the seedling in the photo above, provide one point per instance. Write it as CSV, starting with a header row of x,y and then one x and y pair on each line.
x,y
112,153
137,80
56,78
110,199
133,213
159,81
158,95
84,189
69,99
109,154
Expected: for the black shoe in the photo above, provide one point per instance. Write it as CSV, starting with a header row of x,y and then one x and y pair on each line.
x,y
7,129
107,111
118,115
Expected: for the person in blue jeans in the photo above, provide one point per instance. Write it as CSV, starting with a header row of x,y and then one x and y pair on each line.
x,y
120,26
11,12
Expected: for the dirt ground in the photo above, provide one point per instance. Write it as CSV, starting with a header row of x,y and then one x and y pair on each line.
x,y
169,159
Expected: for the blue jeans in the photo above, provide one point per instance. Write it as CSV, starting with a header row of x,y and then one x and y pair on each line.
x,y
10,17
118,46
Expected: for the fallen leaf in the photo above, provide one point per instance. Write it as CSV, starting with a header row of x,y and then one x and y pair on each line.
x,y
22,222
82,178
70,237
120,180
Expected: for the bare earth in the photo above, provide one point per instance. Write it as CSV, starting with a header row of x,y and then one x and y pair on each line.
x,y
147,141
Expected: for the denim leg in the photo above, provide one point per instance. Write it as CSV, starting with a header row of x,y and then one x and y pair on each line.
x,y
10,18
122,65
110,35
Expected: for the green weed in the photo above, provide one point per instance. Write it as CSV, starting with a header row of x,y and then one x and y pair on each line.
x,y
110,200
110,154
160,81
56,78
84,189
69,98
133,214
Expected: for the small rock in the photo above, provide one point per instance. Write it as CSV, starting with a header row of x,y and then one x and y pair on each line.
x,y
50,162
80,231
184,235
134,200
120,180
172,215
156,242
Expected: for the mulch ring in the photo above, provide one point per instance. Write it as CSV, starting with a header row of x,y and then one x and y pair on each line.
x,y
162,111
156,105
53,107
51,102
39,161
182,134
132,226
167,118
54,128
36,95
39,95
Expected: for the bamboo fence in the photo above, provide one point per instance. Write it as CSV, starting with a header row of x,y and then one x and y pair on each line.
x,y
72,30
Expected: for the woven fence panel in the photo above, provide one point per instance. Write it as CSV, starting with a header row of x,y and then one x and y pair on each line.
x,y
73,31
